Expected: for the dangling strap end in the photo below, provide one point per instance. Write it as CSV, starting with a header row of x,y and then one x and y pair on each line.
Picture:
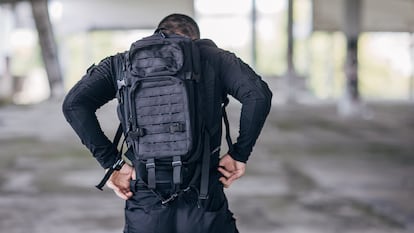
x,y
176,164
205,169
115,167
203,196
150,165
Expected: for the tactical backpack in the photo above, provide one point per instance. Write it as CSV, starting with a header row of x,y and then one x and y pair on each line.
x,y
161,109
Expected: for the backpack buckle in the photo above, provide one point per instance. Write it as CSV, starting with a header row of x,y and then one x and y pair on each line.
x,y
150,165
177,163
120,84
177,127
203,196
140,132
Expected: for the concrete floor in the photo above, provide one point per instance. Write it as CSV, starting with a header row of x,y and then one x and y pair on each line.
x,y
311,171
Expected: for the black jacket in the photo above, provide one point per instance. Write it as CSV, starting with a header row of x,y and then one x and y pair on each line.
x,y
227,75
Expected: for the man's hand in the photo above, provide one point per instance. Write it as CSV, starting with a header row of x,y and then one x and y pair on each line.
x,y
231,170
119,181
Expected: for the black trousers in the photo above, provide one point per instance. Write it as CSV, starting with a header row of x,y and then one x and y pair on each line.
x,y
144,212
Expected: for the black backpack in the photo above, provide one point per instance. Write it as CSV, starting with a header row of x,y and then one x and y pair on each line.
x,y
161,110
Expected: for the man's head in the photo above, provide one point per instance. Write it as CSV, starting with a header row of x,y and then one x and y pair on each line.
x,y
180,24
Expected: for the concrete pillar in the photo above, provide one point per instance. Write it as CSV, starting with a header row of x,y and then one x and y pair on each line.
x,y
48,46
351,104
411,83
352,30
289,78
6,79
290,40
254,33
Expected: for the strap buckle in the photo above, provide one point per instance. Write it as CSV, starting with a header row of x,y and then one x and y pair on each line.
x,y
150,165
177,127
203,196
177,163
120,83
139,132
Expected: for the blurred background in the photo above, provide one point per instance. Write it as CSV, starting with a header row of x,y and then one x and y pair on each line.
x,y
337,151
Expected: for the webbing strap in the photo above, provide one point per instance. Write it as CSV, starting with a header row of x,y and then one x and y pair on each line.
x,y
118,135
226,123
205,165
150,165
176,163
118,164
205,168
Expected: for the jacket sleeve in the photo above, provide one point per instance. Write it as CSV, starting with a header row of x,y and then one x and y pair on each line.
x,y
241,82
95,89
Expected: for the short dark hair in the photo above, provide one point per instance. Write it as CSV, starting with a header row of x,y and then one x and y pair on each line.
x,y
180,24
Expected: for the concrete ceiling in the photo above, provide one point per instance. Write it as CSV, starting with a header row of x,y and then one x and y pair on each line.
x,y
328,15
377,15
80,15
69,16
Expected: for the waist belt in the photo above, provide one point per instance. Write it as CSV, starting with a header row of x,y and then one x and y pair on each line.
x,y
136,185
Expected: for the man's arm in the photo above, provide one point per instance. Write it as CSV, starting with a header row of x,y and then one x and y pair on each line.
x,y
246,86
95,89
240,81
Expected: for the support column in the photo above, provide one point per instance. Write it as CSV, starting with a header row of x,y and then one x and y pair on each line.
x,y
254,34
48,47
291,78
352,30
351,104
411,83
6,79
290,41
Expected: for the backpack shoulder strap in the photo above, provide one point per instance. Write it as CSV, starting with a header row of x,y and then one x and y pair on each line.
x,y
226,123
205,165
118,164
205,168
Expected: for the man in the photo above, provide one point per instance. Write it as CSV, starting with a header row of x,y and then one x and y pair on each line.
x,y
144,211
